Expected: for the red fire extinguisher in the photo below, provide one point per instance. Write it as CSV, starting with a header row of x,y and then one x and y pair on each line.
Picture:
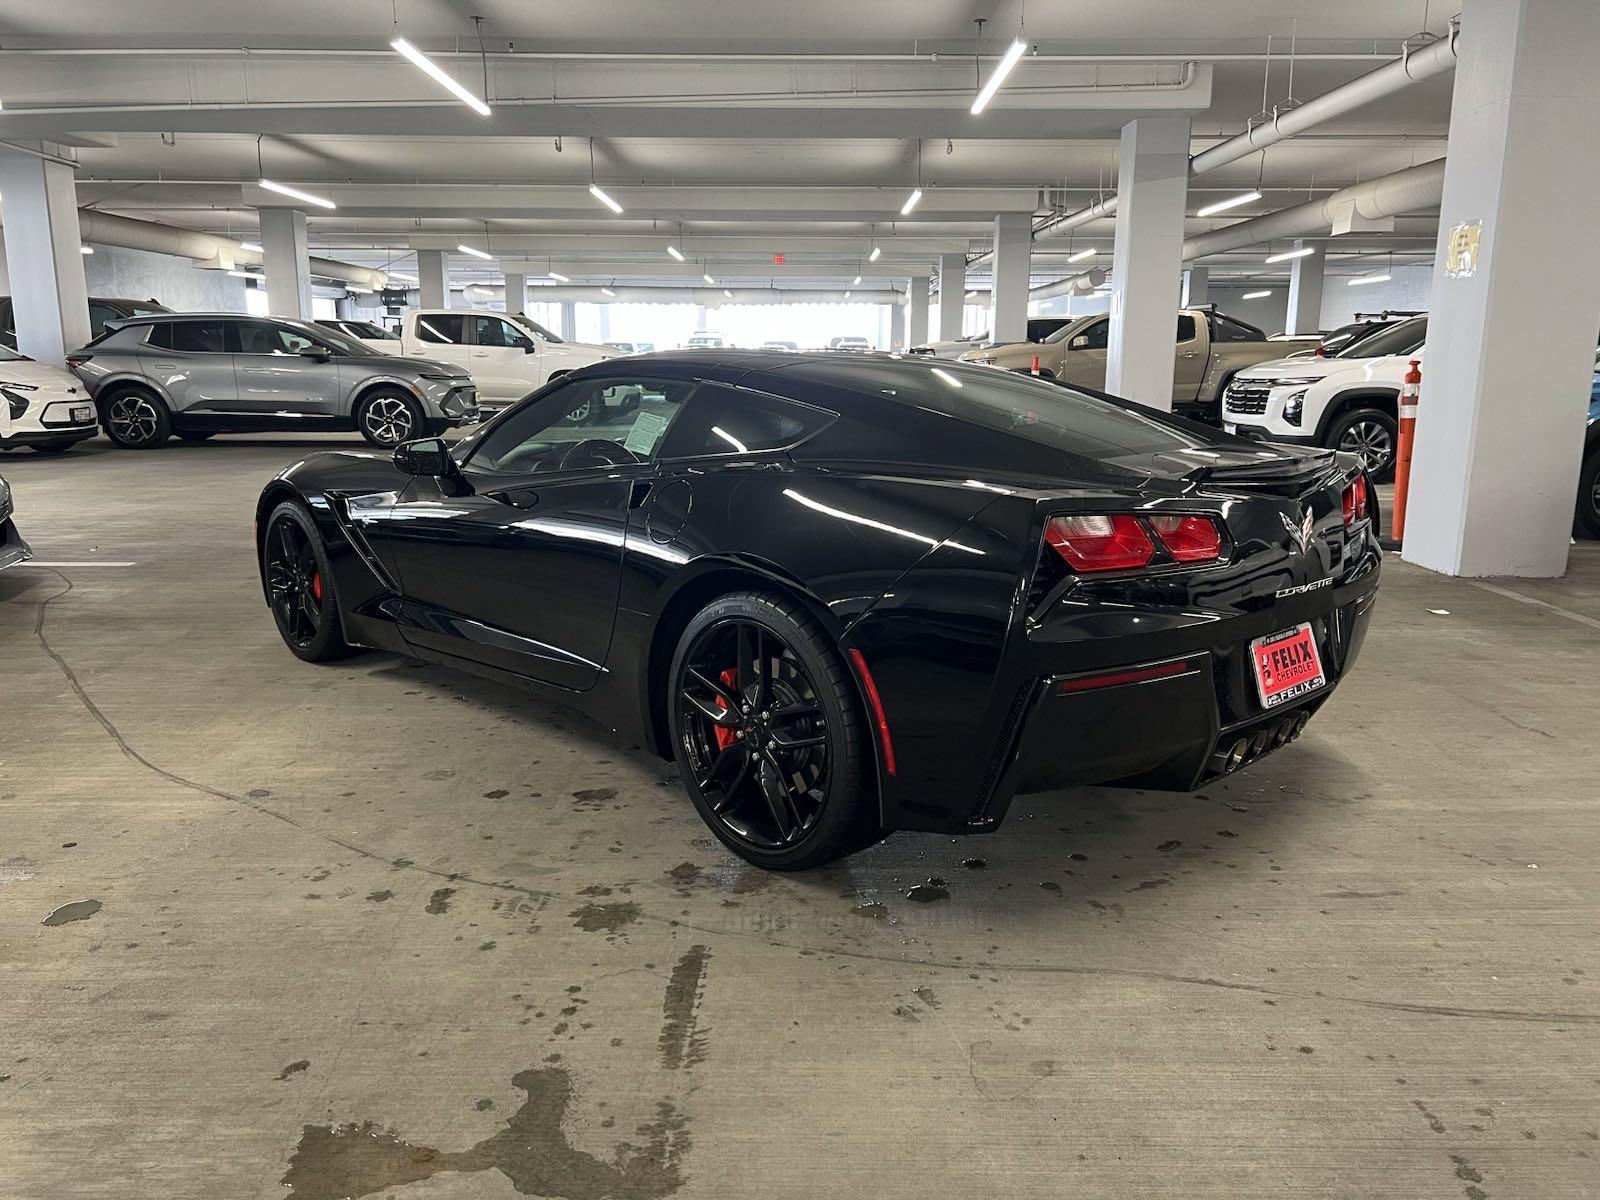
x,y
1035,364
1410,393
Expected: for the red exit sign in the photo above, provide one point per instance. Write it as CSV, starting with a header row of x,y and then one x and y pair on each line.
x,y
777,260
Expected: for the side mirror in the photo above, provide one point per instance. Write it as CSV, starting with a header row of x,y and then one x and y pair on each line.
x,y
529,348
1079,342
426,456
315,354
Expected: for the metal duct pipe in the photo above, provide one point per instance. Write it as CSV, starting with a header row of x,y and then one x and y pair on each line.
x,y
108,229
1421,186
1076,285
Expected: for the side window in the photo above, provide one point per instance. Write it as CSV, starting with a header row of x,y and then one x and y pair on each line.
x,y
99,314
729,420
261,338
492,331
195,337
592,423
443,329
1098,334
1185,327
1226,329
160,336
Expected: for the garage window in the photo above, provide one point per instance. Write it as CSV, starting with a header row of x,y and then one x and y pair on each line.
x,y
444,329
731,420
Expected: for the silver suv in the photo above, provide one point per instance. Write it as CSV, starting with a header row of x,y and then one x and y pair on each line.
x,y
198,374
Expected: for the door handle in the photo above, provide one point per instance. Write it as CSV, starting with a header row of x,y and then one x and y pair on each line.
x,y
480,354
161,366
516,497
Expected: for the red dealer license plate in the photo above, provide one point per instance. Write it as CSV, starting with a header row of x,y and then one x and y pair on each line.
x,y
1287,666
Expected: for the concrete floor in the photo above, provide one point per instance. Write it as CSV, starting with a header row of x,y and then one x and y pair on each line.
x,y
377,929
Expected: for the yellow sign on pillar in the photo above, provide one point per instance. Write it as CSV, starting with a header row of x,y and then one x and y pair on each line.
x,y
1461,252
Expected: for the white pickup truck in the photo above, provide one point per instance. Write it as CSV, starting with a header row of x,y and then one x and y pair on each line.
x,y
1346,402
507,354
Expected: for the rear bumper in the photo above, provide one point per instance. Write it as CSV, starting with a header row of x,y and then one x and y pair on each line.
x,y
1173,723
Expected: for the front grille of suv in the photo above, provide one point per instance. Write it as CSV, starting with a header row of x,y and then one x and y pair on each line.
x,y
1245,399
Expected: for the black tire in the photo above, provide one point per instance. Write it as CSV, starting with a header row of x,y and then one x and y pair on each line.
x,y
196,435
387,416
1371,433
60,447
300,587
1587,519
135,418
795,735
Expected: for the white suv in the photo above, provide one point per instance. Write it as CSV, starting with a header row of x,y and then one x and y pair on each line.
x,y
1346,402
509,355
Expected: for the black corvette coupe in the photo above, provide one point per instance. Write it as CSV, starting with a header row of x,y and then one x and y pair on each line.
x,y
850,595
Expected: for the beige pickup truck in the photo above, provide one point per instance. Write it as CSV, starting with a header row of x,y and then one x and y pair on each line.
x,y
1211,347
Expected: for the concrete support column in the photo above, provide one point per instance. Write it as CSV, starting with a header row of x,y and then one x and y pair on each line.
x,y
1515,298
516,292
433,272
1152,191
286,255
44,259
952,290
897,327
1008,303
917,292
1197,285
569,320
1305,290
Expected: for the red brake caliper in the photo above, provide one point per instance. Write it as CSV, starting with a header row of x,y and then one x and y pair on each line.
x,y
725,737
316,587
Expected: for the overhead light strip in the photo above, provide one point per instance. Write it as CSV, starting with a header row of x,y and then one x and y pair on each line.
x,y
283,189
475,252
1217,206
1012,56
1286,255
1081,255
598,194
436,73
1361,280
911,201
675,252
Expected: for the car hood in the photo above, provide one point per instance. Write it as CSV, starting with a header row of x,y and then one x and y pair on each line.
x,y
398,364
585,348
37,374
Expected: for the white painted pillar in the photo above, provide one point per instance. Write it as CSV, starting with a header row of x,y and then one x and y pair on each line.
x,y
897,326
917,293
1197,286
952,292
1008,303
1511,344
433,272
516,292
44,259
286,255
1147,260
569,320
1305,289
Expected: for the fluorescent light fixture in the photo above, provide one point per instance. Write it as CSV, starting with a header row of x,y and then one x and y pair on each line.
x,y
402,278
855,281
1217,206
474,251
284,189
434,72
873,257
911,201
971,296
594,190
1255,295
847,294
252,247
709,280
85,249
244,274
1359,280
1081,255
727,293
1001,70
675,252
1286,255
947,377
607,291
559,277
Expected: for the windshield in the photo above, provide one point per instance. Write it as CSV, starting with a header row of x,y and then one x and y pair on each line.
x,y
1400,338
332,338
535,328
1066,331
366,329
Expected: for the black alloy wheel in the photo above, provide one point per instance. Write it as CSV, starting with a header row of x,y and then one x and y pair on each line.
x,y
300,586
768,734
137,420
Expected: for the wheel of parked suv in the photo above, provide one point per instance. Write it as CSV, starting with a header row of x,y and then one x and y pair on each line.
x,y
300,586
1587,521
196,435
388,417
769,735
1371,433
137,419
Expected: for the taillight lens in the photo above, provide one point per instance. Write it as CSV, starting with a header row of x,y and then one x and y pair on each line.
x,y
1356,500
1189,539
1100,543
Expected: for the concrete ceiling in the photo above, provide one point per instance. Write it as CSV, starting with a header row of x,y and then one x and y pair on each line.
x,y
739,131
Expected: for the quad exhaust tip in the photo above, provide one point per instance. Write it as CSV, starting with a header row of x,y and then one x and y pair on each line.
x,y
1248,749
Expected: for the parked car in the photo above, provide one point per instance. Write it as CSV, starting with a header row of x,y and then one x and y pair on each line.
x,y
779,346
775,563
370,334
950,349
704,341
849,343
1587,520
625,347
196,375
1210,348
1363,327
1347,402
13,549
507,354
102,309
42,407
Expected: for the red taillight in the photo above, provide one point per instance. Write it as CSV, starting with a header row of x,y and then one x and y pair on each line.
x,y
1100,543
1189,539
1321,353
1355,500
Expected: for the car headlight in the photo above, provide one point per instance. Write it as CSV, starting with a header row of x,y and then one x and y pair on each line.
x,y
5,499
18,387
445,376
1294,408
1291,381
